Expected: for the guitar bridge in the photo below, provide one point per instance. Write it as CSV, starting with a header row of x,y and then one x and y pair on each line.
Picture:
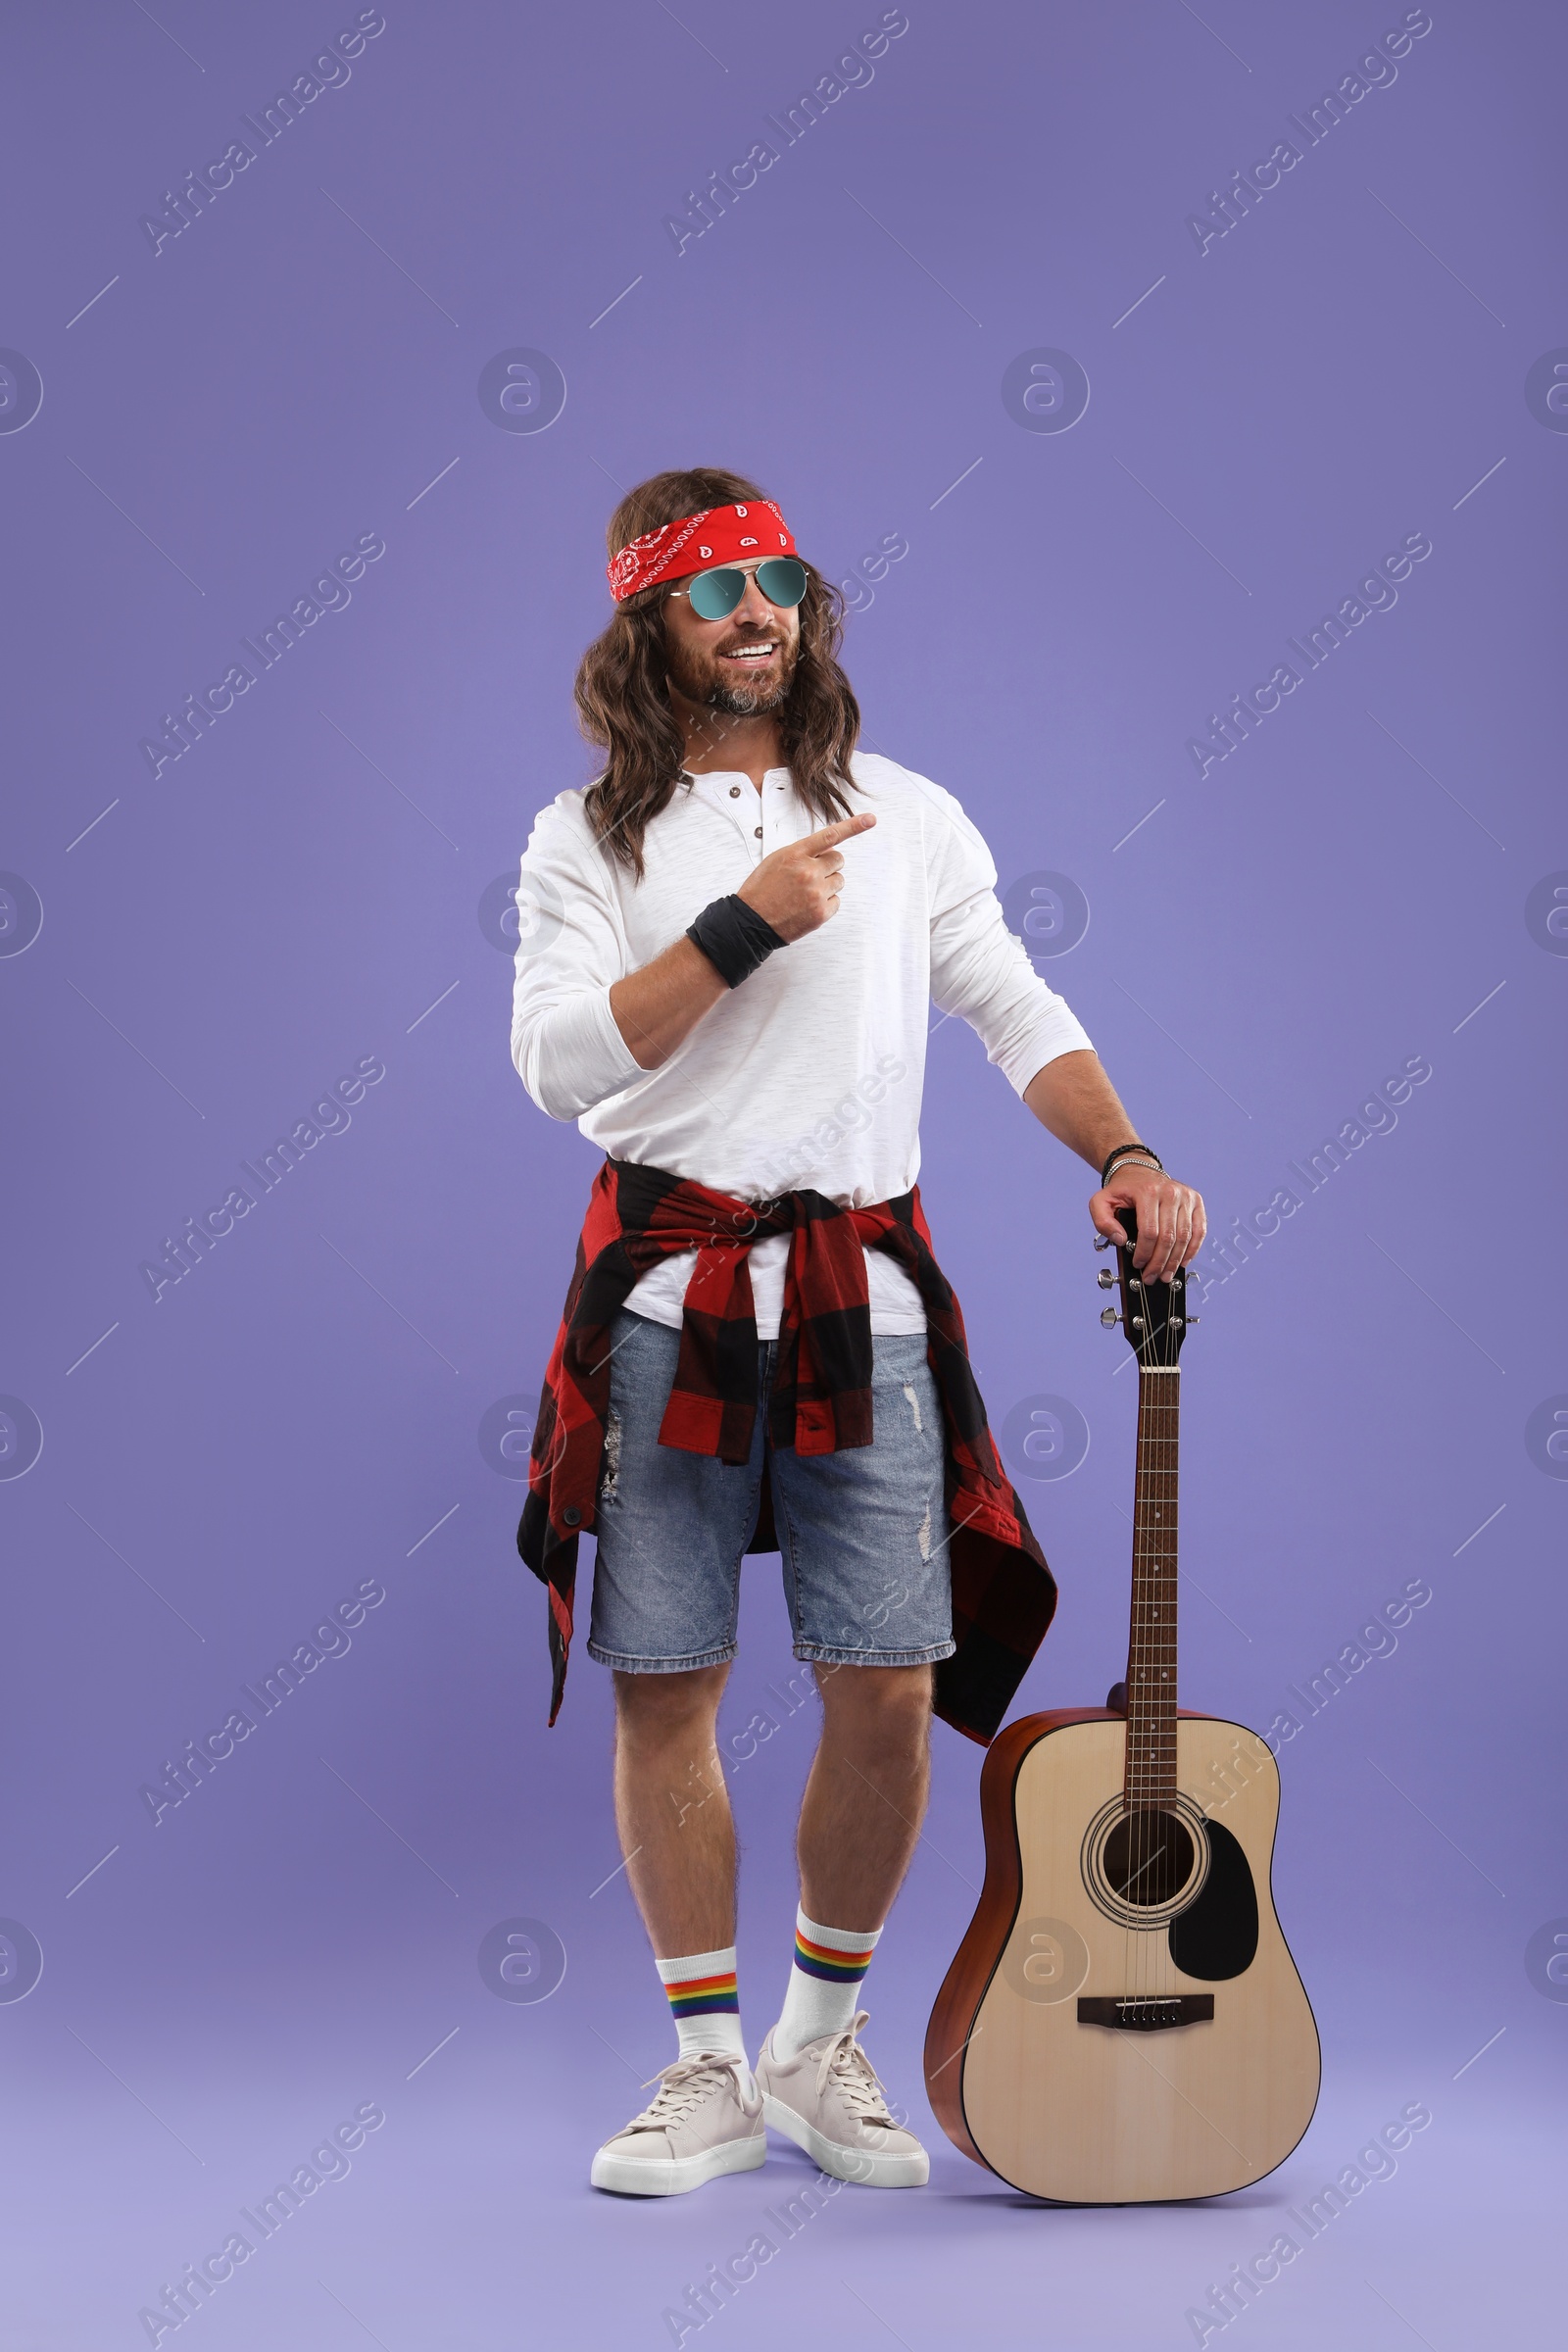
x,y
1145,2013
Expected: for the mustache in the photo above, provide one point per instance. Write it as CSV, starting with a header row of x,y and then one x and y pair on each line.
x,y
703,676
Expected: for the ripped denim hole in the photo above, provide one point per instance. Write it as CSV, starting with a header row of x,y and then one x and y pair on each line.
x,y
611,1463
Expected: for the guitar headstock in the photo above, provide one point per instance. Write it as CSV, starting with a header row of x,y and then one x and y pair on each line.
x,y
1154,1314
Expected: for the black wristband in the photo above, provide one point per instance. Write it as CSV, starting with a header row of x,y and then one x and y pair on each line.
x,y
1124,1152
734,938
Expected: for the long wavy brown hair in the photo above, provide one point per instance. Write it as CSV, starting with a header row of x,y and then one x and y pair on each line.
x,y
622,689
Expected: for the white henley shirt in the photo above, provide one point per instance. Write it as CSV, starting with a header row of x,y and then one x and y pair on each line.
x,y
810,1072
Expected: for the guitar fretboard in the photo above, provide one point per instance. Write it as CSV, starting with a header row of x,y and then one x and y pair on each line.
x,y
1150,1779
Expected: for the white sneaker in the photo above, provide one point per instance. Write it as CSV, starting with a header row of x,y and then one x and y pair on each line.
x,y
828,2099
700,2124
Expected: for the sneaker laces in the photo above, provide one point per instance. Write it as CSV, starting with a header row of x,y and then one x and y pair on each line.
x,y
853,2077
683,2085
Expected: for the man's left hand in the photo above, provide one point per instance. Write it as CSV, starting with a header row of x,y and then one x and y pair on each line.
x,y
1170,1218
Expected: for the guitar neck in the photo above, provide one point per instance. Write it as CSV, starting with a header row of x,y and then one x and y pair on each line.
x,y
1151,1776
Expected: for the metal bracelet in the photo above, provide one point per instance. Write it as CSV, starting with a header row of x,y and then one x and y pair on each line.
x,y
1150,1159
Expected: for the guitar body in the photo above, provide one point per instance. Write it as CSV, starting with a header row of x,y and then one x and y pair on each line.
x,y
1195,2068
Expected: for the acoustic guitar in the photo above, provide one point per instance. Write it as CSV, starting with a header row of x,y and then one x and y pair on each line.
x,y
1124,2023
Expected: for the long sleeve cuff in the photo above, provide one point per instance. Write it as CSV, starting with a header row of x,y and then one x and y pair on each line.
x,y
573,1055
1052,1032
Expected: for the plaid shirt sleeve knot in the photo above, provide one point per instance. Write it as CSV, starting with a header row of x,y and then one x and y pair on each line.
x,y
1004,1595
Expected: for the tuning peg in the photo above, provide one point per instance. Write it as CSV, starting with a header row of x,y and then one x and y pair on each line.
x,y
1109,1316
1105,1278
1192,1319
1101,1241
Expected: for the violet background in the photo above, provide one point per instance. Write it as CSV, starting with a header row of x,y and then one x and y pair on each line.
x,y
301,890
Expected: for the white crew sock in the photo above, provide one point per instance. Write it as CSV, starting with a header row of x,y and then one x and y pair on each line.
x,y
705,2002
825,1986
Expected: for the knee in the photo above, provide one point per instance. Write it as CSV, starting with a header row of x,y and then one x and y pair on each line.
x,y
652,1709
884,1707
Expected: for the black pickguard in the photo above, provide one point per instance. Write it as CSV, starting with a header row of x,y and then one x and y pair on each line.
x,y
1217,1936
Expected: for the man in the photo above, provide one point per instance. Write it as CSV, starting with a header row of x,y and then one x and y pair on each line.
x,y
729,945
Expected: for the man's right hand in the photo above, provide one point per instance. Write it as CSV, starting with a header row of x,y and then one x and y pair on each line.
x,y
797,887
796,890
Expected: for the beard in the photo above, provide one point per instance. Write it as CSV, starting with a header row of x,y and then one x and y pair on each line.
x,y
701,680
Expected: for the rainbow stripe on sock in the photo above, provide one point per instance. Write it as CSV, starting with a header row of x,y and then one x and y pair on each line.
x,y
705,1996
835,1968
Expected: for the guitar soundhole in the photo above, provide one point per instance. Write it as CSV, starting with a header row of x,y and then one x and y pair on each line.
x,y
1148,1858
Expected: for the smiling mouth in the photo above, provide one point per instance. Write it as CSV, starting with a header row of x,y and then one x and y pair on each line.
x,y
751,654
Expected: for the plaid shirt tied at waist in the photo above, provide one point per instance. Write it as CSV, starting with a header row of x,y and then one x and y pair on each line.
x,y
1004,1595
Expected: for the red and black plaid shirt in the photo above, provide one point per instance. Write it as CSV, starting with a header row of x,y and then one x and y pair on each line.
x,y
1002,1593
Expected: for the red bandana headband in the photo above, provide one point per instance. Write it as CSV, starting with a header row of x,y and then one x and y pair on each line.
x,y
718,535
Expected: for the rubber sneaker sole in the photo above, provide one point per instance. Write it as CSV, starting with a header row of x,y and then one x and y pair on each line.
x,y
859,2165
674,2176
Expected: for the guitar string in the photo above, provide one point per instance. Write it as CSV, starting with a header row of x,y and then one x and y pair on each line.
x,y
1138,1826
1167,1603
1139,1735
1140,1838
1129,1948
1151,1738
1148,1818
1150,1815
1129,1793
1171,1415
1133,1700
1132,1970
1169,1408
1139,1696
1168,1622
1159,1830
1141,1841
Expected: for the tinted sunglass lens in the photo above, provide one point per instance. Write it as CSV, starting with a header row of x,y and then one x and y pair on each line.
x,y
715,594
782,580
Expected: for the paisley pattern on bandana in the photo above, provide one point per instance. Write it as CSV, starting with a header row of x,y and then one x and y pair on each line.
x,y
730,536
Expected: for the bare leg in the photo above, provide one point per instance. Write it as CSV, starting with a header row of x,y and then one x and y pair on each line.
x,y
866,1792
672,1809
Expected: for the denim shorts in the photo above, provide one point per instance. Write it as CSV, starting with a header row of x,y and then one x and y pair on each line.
x,y
863,1533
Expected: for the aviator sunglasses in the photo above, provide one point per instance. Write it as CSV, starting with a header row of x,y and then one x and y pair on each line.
x,y
715,595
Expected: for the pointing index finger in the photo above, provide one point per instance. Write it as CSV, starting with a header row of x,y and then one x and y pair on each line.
x,y
831,835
